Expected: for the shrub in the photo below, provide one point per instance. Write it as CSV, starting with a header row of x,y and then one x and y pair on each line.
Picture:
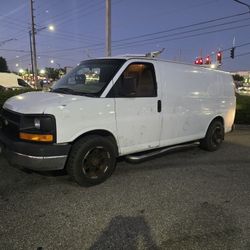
x,y
242,109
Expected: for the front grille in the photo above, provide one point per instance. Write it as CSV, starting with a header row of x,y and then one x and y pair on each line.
x,y
10,123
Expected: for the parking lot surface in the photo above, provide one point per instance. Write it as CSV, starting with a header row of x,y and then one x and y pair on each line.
x,y
191,199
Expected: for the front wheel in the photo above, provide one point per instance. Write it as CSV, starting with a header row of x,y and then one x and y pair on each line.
x,y
214,136
92,160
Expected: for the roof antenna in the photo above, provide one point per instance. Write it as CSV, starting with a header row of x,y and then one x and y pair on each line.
x,y
155,53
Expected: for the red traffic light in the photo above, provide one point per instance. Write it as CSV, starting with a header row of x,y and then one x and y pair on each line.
x,y
198,61
208,60
219,57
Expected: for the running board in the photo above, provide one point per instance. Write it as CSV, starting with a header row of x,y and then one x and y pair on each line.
x,y
139,157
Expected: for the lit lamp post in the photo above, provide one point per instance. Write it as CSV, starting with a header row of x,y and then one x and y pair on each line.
x,y
21,72
52,62
42,71
59,72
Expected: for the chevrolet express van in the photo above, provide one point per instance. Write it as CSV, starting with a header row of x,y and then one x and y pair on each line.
x,y
111,107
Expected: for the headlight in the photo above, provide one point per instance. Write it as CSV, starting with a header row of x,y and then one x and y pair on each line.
x,y
39,128
37,123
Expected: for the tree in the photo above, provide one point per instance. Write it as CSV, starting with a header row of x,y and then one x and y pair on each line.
x,y
239,78
3,65
52,73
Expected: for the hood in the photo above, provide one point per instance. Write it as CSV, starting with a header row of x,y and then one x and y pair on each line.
x,y
38,102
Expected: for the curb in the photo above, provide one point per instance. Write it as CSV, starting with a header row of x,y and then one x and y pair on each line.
x,y
241,127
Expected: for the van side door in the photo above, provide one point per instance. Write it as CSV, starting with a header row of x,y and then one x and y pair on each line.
x,y
137,108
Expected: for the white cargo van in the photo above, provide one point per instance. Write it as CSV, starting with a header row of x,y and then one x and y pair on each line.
x,y
111,107
11,81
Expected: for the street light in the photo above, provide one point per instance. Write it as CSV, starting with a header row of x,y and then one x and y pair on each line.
x,y
21,71
53,61
51,27
42,71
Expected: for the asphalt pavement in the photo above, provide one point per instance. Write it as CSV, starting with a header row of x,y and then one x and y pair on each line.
x,y
190,199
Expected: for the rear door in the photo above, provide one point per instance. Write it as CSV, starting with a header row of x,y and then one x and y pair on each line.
x,y
137,108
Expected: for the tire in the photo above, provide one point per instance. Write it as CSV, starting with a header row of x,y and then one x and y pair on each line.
x,y
214,136
92,160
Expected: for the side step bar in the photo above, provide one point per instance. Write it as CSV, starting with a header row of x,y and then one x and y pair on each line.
x,y
140,157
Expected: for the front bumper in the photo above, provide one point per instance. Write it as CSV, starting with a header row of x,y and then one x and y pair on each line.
x,y
34,156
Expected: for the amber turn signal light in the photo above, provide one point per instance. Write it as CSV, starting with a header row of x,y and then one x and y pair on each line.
x,y
36,137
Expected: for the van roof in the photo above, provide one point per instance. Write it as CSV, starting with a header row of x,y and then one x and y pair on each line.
x,y
149,58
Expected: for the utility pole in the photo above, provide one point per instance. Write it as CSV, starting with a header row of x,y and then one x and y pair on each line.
x,y
33,34
31,55
108,27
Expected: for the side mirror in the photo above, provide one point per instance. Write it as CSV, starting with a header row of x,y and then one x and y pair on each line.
x,y
129,86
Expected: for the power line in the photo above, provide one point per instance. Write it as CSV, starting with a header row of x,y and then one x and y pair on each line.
x,y
159,32
145,41
183,32
238,46
74,10
55,3
243,54
240,2
72,37
71,13
15,50
184,27
87,10
239,55
184,37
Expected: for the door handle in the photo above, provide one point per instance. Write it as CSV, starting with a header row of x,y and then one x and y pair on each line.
x,y
159,106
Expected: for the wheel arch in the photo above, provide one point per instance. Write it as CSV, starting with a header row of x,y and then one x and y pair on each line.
x,y
214,135
217,118
100,132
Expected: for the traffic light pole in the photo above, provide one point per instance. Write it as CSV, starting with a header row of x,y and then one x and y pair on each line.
x,y
248,5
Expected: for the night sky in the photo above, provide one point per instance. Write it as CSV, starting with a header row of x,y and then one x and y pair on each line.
x,y
185,29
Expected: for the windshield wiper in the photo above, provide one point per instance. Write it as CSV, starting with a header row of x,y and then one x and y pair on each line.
x,y
64,90
88,94
72,92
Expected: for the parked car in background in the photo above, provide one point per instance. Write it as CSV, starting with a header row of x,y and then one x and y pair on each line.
x,y
243,90
12,81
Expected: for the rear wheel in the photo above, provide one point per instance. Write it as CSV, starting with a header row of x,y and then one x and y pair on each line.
x,y
214,136
92,160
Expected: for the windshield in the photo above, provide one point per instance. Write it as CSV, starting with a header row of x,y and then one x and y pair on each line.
x,y
90,78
